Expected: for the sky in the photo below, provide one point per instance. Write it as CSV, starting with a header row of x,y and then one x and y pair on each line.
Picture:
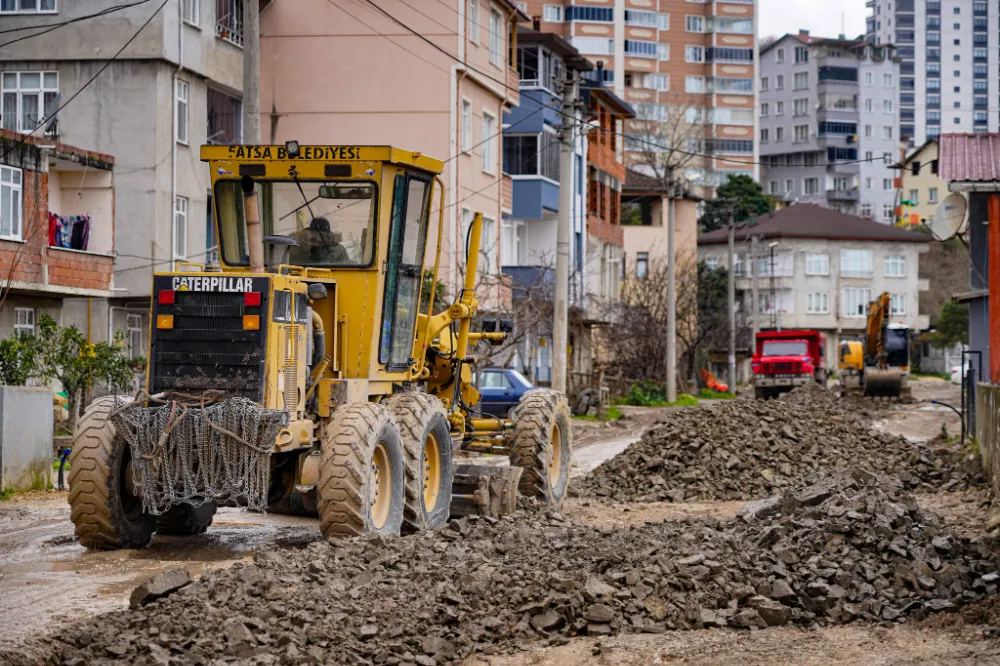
x,y
823,18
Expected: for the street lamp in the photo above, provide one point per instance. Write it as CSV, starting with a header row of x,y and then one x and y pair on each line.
x,y
774,303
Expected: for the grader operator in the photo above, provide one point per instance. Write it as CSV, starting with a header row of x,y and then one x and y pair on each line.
x,y
308,372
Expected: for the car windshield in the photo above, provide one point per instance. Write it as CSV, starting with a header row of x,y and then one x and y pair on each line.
x,y
333,221
786,348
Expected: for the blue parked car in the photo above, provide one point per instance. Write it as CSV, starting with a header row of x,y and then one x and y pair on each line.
x,y
501,389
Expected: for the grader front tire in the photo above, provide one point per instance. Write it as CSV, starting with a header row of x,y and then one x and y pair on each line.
x,y
427,453
106,514
186,520
543,439
361,475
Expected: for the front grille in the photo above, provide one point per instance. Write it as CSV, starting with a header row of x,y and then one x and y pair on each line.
x,y
778,367
207,348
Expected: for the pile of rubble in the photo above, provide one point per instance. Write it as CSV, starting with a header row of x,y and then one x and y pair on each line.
x,y
747,449
846,547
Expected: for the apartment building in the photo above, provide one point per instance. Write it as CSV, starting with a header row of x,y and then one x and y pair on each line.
x,y
949,57
923,190
829,127
173,89
336,72
818,269
673,60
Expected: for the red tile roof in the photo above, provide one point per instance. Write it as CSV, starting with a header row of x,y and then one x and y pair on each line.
x,y
969,157
812,221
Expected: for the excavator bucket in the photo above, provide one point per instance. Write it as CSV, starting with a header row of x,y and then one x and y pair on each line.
x,y
887,383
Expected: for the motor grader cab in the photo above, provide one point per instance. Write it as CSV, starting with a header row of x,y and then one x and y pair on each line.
x,y
886,352
307,372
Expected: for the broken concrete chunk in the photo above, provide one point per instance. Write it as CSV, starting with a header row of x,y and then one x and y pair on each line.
x,y
159,586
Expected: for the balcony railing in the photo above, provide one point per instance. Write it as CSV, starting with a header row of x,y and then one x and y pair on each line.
x,y
229,25
842,195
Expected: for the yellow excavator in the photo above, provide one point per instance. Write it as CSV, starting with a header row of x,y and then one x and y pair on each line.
x,y
307,372
851,363
886,353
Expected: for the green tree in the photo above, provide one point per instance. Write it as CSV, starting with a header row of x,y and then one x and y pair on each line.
x,y
440,293
18,359
750,201
63,353
952,326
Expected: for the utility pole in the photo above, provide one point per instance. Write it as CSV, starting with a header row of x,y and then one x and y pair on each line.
x,y
754,307
671,293
560,323
732,302
251,72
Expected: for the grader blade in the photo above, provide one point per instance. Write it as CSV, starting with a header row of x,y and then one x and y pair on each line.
x,y
883,383
486,490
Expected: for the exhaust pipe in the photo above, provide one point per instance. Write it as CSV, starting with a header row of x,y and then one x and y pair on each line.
x,y
251,213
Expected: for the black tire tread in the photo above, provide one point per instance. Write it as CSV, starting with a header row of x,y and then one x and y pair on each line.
x,y
538,408
186,520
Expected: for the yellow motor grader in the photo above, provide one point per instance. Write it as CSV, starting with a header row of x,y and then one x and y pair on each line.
x,y
308,372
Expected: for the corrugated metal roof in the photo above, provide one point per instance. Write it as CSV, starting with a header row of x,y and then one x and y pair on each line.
x,y
969,157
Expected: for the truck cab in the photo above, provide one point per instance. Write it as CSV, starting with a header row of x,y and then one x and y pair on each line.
x,y
786,359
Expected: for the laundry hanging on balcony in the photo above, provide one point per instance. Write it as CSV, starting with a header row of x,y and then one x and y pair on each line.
x,y
69,231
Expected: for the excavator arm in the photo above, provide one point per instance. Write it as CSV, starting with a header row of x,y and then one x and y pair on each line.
x,y
879,379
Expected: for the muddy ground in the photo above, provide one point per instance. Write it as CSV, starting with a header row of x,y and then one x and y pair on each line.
x,y
47,580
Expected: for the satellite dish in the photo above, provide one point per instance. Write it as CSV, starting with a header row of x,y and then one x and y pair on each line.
x,y
948,217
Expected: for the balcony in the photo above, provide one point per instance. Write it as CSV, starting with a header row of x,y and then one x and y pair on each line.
x,y
513,87
229,23
842,195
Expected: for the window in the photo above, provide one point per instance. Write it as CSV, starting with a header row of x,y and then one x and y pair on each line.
x,y
657,81
779,134
662,51
897,304
531,155
494,380
932,195
694,84
801,107
180,227
489,140
552,13
765,135
868,131
810,186
772,187
496,38
779,82
181,89
895,266
24,321
694,23
887,132
868,104
732,25
189,11
642,265
29,99
711,263
779,56
887,80
779,108
765,109
467,125
866,210
663,21
594,45
914,196
856,263
694,54
593,14
869,156
133,324
869,79
887,106
887,184
474,20
801,54
800,81
888,214
801,133
856,302
11,189
225,118
764,84
818,303
27,6
868,184
660,112
817,264
789,185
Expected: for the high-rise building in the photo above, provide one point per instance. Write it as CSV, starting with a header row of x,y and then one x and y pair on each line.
x,y
829,129
688,68
947,49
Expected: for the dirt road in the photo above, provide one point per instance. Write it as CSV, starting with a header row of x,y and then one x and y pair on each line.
x,y
48,580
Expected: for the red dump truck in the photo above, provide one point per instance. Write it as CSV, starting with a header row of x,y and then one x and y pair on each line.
x,y
786,359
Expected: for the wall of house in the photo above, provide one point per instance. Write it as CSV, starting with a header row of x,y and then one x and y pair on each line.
x,y
653,238
923,183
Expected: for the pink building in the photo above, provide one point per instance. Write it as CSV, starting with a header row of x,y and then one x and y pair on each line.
x,y
437,80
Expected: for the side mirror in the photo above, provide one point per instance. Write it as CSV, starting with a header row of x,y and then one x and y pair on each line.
x,y
317,291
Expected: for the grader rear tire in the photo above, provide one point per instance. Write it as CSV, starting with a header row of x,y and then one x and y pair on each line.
x,y
427,453
106,514
542,447
362,474
186,520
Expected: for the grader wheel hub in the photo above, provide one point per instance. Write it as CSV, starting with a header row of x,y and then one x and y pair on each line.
x,y
381,496
431,471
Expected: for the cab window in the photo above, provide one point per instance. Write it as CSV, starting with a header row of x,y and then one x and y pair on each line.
x,y
495,380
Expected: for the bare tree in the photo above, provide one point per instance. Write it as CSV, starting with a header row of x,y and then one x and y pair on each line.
x,y
664,143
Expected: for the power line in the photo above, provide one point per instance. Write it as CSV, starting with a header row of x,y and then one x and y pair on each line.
x,y
56,26
93,78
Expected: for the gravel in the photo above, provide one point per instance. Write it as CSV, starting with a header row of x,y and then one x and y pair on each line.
x,y
839,548
748,449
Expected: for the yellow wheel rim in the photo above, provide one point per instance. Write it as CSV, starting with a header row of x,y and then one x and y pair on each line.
x,y
381,486
431,471
555,457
